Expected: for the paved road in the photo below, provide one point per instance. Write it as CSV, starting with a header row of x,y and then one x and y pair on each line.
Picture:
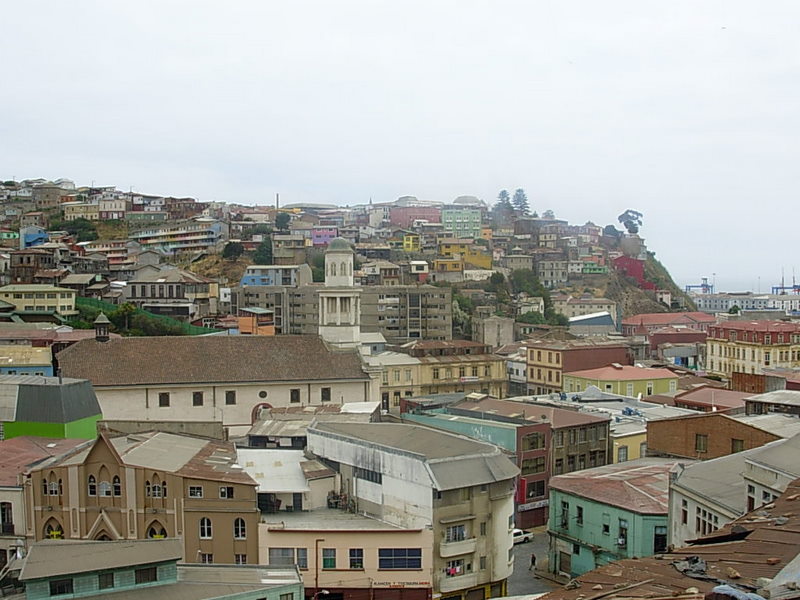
x,y
522,581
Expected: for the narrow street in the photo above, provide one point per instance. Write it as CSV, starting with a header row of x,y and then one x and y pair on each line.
x,y
523,581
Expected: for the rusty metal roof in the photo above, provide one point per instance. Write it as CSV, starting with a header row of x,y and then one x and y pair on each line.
x,y
759,544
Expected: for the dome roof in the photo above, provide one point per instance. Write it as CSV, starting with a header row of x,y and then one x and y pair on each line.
x,y
339,244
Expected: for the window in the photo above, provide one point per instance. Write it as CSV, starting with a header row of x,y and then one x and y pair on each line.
x,y
736,445
564,521
325,394
533,465
329,558
534,489
436,373
400,558
455,533
659,539
92,487
579,515
367,475
684,512
163,399
105,488
230,397
302,558
226,492
356,558
533,441
294,395
197,398
240,559
701,442
59,587
622,454
559,466
146,575
454,568
105,581
570,463
116,485
282,556
287,596
483,528
482,563
622,538
239,529
195,491
205,528
206,558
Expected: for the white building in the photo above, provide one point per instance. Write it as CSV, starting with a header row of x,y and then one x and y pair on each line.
x,y
418,478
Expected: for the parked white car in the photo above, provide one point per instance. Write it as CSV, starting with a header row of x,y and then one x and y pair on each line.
x,y
521,536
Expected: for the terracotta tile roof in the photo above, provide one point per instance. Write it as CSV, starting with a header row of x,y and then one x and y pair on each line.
x,y
20,453
761,326
623,373
208,359
710,396
641,485
758,544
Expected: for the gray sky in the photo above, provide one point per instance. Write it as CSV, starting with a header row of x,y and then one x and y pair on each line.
x,y
685,110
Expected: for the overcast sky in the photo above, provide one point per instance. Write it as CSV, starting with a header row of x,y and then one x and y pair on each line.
x,y
686,110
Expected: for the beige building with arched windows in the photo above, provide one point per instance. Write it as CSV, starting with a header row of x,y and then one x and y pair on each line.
x,y
148,485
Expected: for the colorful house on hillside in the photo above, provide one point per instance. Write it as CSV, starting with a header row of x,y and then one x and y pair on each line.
x,y
624,380
50,407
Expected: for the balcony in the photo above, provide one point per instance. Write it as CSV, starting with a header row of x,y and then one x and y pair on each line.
x,y
459,582
448,549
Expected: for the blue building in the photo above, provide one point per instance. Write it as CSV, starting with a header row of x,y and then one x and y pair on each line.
x,y
275,275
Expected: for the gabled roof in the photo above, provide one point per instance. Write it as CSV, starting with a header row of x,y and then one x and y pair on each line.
x,y
66,557
183,455
453,461
19,454
35,399
663,319
207,359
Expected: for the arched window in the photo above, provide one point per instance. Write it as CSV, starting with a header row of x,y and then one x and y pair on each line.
x,y
92,486
117,486
53,530
53,488
156,530
205,528
44,487
239,529
60,488
164,489
343,270
156,487
105,488
147,489
333,269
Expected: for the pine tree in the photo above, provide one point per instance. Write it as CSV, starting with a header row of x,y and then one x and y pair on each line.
x,y
520,202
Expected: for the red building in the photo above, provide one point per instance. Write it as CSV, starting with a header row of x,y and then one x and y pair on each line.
x,y
404,216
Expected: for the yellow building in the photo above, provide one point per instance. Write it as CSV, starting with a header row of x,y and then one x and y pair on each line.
x,y
411,242
624,380
471,254
448,265
400,377
40,298
458,366
81,210
628,441
752,346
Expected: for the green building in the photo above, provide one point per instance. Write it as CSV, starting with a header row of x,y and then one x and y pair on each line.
x,y
462,221
605,514
624,380
51,407
146,569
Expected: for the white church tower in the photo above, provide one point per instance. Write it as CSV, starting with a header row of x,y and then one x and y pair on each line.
x,y
340,300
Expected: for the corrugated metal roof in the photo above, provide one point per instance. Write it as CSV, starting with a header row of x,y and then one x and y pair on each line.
x,y
66,557
759,544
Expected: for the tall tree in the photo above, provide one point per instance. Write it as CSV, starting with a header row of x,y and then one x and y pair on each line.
x,y
282,221
503,210
520,202
263,255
